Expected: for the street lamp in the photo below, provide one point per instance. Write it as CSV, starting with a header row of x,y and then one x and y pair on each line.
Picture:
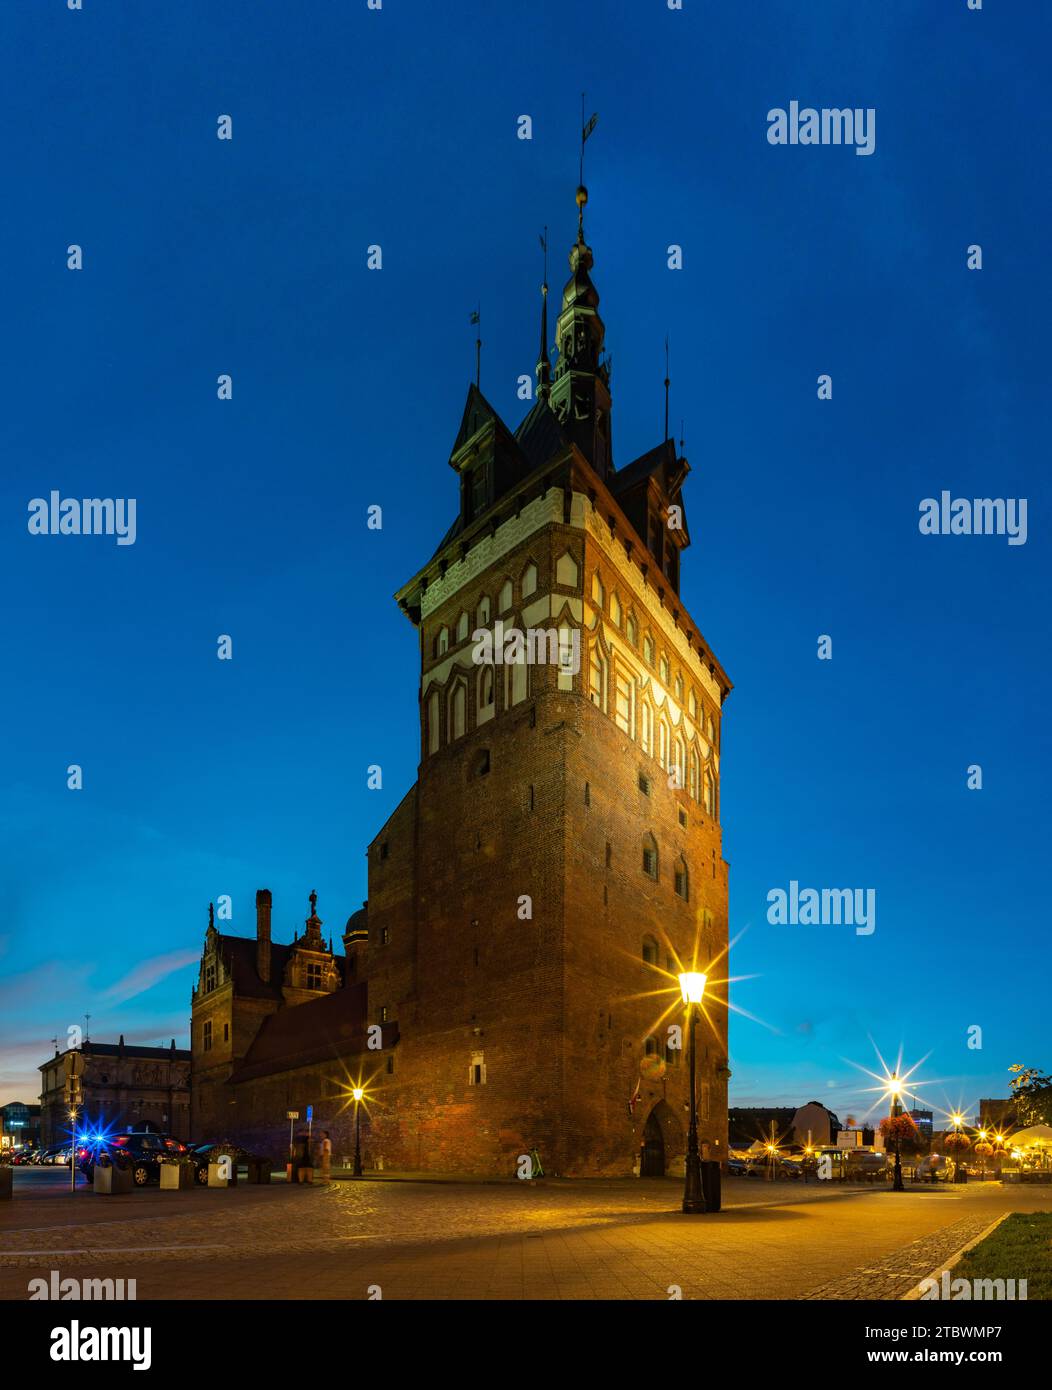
x,y
358,1092
692,987
895,1092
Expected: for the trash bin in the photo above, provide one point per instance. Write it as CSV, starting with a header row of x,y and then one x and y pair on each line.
x,y
259,1170
710,1183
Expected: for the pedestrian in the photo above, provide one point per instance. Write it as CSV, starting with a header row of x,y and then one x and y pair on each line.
x,y
325,1150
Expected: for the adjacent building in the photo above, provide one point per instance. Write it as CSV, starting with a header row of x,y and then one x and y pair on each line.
x,y
124,1086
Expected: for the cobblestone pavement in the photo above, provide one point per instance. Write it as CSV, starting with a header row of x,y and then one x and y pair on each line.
x,y
583,1240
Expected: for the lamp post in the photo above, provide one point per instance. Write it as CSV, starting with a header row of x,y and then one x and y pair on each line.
x,y
894,1088
692,987
357,1093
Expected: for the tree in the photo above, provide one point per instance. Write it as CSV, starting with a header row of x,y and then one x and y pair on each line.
x,y
1031,1096
903,1130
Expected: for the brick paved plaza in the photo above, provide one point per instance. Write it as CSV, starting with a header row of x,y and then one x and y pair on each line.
x,y
618,1239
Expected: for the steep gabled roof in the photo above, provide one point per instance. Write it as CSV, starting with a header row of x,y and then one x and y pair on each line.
x,y
540,436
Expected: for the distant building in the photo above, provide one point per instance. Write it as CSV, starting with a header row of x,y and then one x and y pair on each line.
x,y
124,1087
19,1125
996,1114
924,1120
746,1124
814,1120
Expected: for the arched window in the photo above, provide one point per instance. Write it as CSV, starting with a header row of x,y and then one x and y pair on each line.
x,y
504,599
462,627
515,683
569,662
650,951
663,743
615,609
485,689
458,704
693,774
648,649
679,690
678,763
709,798
624,701
712,731
663,670
693,706
632,630
650,857
598,592
442,641
650,1047
682,879
646,728
434,731
566,570
483,617
597,677
529,580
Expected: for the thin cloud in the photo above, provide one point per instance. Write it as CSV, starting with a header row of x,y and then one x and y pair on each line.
x,y
146,975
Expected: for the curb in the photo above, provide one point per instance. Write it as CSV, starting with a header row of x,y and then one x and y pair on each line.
x,y
950,1261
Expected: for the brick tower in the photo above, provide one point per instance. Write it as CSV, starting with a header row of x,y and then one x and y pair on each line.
x,y
559,859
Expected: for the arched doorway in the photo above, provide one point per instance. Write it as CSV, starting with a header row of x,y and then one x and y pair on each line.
x,y
652,1157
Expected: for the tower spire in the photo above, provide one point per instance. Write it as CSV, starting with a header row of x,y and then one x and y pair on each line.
x,y
667,384
544,366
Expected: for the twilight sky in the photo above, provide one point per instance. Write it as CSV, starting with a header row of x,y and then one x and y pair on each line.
x,y
398,127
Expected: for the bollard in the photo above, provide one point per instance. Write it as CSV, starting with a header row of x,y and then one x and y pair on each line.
x,y
259,1170
7,1178
223,1173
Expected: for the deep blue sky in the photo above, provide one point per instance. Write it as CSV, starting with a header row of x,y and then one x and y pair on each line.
x,y
248,257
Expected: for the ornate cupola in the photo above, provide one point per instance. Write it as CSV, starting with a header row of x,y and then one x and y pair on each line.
x,y
580,393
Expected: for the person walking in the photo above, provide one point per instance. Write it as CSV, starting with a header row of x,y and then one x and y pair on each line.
x,y
325,1152
304,1161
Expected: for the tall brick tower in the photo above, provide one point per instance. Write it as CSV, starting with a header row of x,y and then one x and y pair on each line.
x,y
559,859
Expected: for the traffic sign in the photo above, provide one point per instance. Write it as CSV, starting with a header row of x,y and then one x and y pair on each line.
x,y
292,1114
310,1112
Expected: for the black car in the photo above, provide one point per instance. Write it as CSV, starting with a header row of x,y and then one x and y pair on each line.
x,y
203,1154
139,1152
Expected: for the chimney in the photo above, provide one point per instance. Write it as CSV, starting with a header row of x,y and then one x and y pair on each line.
x,y
263,934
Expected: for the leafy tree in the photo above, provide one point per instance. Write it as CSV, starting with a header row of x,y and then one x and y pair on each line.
x,y
1031,1096
901,1128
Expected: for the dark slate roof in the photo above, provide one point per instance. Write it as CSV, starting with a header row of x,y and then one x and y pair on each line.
x,y
239,953
540,436
663,455
299,1035
97,1049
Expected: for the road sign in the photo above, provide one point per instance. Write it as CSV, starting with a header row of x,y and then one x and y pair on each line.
x,y
292,1114
310,1112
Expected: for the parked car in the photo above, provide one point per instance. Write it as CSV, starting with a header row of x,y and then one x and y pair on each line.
x,y
54,1153
204,1154
737,1167
134,1149
932,1168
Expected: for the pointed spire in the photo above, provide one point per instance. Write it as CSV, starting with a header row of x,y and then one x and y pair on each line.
x,y
667,384
544,366
211,917
580,395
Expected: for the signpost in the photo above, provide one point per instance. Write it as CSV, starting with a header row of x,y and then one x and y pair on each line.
x,y
310,1126
292,1116
74,1066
